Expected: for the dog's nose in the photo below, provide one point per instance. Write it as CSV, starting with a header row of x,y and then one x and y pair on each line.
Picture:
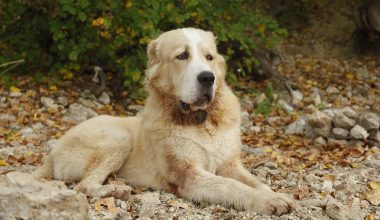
x,y
206,79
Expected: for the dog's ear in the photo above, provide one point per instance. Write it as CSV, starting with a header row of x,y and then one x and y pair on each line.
x,y
152,53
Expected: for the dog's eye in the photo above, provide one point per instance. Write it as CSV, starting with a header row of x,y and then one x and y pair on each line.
x,y
209,57
183,56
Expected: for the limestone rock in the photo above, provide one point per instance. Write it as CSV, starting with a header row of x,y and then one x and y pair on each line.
x,y
78,113
374,135
135,108
48,102
369,120
319,120
246,123
62,100
342,121
340,133
319,141
332,90
297,97
298,127
358,132
23,197
105,98
338,211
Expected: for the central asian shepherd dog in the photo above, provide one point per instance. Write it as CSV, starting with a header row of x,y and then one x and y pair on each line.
x,y
186,140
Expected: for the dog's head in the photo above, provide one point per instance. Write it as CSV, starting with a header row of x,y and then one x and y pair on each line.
x,y
184,64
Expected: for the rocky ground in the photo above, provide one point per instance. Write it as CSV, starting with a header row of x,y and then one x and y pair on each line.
x,y
320,142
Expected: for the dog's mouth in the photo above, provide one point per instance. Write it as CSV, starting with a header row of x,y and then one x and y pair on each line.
x,y
200,104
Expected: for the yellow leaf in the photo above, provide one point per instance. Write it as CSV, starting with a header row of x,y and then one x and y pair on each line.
x,y
98,22
350,76
53,88
369,217
261,28
29,153
129,4
3,163
14,89
267,149
373,197
374,185
68,75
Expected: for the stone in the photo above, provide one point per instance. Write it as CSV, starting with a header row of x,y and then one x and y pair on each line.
x,y
298,127
330,112
149,201
135,108
15,94
369,120
89,103
284,105
333,141
78,113
340,133
87,94
374,135
342,121
48,102
62,100
319,120
323,132
332,90
23,197
310,109
319,141
105,98
246,104
7,118
26,131
338,211
297,97
255,129
271,165
349,112
327,186
246,122
358,132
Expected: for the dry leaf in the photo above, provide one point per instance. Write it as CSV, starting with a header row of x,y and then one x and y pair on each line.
x,y
175,203
301,193
374,185
373,197
3,163
107,204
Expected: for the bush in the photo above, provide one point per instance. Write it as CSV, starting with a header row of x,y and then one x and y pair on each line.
x,y
66,36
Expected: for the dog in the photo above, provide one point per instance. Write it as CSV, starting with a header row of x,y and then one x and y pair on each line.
x,y
186,140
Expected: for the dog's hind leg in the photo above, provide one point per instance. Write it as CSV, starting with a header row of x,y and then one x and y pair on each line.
x,y
98,170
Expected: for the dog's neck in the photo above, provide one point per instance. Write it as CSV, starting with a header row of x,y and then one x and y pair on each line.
x,y
168,108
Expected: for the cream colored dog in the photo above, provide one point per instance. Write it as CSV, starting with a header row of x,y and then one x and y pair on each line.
x,y
186,140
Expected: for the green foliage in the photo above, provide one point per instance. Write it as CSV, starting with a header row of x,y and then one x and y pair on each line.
x,y
266,106
65,36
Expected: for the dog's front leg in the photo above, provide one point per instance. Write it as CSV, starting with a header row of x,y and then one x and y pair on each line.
x,y
234,169
199,185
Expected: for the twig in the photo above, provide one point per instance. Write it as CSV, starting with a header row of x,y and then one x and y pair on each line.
x,y
13,65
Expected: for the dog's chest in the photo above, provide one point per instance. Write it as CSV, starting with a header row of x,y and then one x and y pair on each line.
x,y
216,148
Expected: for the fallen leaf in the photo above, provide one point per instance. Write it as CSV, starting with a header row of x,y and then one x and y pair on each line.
x,y
3,163
14,89
301,193
175,203
374,185
106,204
373,197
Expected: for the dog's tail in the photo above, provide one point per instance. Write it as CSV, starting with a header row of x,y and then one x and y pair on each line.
x,y
46,170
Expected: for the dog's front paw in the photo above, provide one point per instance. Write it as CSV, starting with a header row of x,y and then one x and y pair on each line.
x,y
271,203
116,191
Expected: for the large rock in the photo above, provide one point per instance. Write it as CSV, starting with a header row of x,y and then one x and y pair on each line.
x,y
342,121
358,132
369,120
300,126
319,120
48,102
338,211
23,197
246,122
78,113
340,133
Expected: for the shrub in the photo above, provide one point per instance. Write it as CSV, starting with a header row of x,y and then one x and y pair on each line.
x,y
66,36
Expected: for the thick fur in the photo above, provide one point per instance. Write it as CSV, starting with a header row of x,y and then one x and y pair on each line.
x,y
195,155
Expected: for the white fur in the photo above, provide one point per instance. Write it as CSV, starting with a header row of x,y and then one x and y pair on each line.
x,y
196,65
